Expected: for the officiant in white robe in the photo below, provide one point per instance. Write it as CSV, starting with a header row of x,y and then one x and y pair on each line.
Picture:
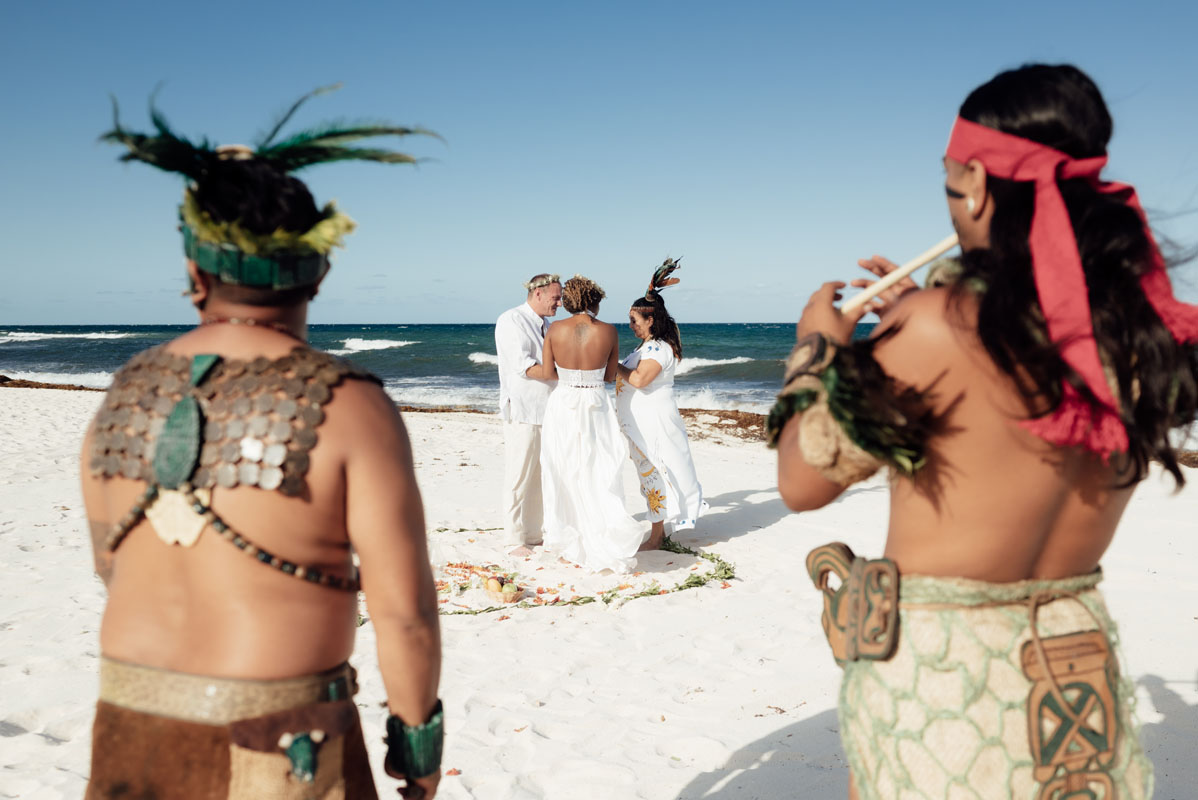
x,y
649,417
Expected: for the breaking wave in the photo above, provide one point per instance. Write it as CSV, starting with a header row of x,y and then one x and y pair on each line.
x,y
31,336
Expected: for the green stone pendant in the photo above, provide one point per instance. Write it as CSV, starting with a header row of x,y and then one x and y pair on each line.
x,y
302,750
178,449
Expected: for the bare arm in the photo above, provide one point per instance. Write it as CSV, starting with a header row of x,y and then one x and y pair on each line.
x,y
546,370
385,520
802,487
97,511
644,374
613,358
547,367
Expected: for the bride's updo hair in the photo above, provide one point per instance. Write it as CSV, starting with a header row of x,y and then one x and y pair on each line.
x,y
581,294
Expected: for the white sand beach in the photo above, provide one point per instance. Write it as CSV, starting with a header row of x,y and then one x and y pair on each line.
x,y
724,691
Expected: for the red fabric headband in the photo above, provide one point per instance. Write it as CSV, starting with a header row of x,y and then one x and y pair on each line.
x,y
1061,282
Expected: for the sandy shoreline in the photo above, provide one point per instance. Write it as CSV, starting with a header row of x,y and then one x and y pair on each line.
x,y
706,693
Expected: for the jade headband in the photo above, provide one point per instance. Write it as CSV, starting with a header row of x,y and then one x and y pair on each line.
x,y
1061,281
233,266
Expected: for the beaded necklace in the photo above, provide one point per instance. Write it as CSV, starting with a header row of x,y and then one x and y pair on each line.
x,y
250,322
238,540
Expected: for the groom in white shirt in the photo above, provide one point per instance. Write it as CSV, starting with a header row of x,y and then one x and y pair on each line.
x,y
519,338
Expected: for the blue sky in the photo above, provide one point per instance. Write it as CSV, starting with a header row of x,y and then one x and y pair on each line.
x,y
769,144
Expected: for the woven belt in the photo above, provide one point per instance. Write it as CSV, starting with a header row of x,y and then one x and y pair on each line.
x,y
216,701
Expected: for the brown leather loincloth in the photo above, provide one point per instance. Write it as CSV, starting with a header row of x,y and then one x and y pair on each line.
x,y
292,738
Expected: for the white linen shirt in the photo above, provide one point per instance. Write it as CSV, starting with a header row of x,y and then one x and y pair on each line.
x,y
519,338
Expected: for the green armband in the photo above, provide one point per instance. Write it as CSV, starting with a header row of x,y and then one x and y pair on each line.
x,y
415,750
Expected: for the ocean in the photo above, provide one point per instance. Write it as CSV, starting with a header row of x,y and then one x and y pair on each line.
x,y
724,366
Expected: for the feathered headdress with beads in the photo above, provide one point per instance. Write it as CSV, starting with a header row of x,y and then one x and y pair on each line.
x,y
281,259
661,276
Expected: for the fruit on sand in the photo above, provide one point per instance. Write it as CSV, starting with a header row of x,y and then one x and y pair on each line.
x,y
509,588
494,585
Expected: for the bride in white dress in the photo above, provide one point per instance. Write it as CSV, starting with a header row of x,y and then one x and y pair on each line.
x,y
582,448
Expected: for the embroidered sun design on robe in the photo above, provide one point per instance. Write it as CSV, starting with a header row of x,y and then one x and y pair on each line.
x,y
619,384
657,500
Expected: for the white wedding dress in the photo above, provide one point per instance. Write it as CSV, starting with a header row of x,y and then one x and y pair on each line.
x,y
582,458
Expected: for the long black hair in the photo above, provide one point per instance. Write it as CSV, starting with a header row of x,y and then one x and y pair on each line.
x,y
1156,379
663,327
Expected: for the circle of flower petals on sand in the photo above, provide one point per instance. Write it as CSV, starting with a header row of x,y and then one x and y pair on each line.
x,y
461,576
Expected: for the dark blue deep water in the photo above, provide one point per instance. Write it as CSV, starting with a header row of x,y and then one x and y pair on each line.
x,y
724,366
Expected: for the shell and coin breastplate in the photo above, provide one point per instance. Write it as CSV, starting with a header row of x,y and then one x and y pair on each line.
x,y
251,423
188,425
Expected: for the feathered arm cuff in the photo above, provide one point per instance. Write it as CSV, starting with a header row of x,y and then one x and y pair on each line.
x,y
855,418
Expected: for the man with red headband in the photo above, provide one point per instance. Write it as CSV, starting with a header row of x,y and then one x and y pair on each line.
x,y
978,654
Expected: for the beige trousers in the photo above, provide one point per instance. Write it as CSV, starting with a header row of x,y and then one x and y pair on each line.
x,y
522,506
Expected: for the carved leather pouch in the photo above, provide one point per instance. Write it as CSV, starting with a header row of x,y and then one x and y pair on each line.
x,y
860,618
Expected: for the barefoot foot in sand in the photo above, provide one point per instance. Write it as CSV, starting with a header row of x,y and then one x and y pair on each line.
x,y
523,550
657,535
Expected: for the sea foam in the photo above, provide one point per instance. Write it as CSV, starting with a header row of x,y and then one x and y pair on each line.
x,y
690,364
359,345
376,344
705,397
31,336
419,392
484,358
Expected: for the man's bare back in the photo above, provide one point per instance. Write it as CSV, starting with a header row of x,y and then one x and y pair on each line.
x,y
208,609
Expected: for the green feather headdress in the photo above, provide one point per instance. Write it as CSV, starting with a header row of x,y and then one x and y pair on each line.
x,y
661,276
281,259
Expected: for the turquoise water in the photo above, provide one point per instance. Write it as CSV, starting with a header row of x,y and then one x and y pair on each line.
x,y
732,366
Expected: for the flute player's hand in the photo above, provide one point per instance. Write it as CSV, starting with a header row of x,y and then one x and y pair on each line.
x,y
884,302
822,316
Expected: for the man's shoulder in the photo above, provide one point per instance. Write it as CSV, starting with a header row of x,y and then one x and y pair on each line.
x,y
515,312
359,411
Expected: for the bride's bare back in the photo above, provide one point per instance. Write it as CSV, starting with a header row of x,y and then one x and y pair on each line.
x,y
581,342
